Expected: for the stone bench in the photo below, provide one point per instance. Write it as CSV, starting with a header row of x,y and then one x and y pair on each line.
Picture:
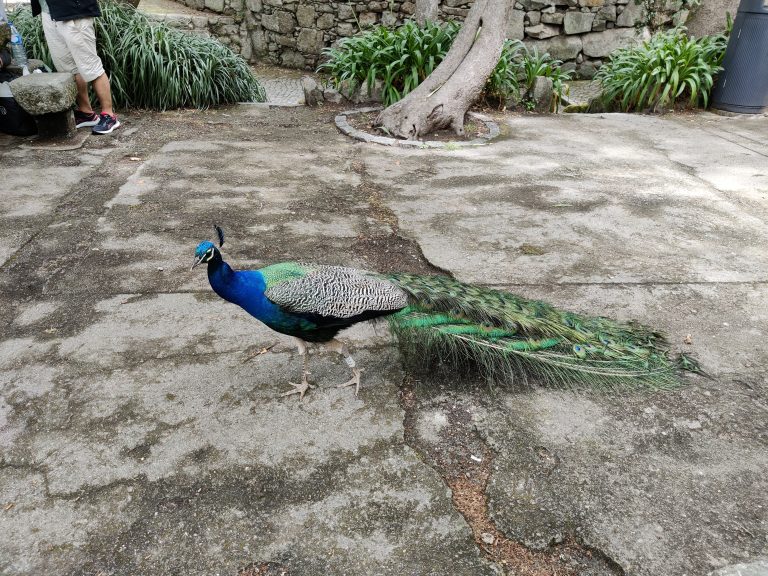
x,y
49,98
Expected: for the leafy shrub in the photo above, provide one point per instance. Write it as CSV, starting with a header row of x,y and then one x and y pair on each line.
x,y
402,58
151,65
668,68
504,81
534,64
399,58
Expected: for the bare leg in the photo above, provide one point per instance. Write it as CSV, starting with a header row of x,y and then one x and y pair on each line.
x,y
339,347
304,385
83,102
104,94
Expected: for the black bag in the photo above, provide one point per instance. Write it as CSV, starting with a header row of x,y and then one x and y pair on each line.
x,y
14,120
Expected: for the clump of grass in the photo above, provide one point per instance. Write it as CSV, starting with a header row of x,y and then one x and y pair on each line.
x,y
151,65
671,67
401,58
534,64
504,81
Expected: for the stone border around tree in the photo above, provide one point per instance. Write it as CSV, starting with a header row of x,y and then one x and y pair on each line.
x,y
349,130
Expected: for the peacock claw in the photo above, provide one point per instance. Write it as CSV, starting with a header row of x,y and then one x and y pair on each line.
x,y
354,381
299,389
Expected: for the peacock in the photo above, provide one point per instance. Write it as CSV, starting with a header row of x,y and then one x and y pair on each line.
x,y
443,321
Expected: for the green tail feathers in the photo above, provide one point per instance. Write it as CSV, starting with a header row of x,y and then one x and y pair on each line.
x,y
510,339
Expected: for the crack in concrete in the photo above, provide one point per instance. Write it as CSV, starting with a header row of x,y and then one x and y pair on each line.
x,y
464,461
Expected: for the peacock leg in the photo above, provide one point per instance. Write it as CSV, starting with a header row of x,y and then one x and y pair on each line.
x,y
339,347
304,385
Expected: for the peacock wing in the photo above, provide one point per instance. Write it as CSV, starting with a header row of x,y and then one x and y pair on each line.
x,y
336,292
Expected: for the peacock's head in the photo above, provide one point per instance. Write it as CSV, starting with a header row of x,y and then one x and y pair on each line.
x,y
207,251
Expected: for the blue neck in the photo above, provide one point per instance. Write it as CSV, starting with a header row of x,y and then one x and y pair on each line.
x,y
221,277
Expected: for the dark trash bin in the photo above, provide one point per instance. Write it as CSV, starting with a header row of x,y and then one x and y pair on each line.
x,y
742,85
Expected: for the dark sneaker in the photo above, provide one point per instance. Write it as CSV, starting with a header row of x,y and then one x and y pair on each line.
x,y
83,119
106,124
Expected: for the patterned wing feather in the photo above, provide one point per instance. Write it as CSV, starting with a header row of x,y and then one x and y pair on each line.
x,y
337,292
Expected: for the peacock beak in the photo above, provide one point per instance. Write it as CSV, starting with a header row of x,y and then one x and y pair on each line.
x,y
198,260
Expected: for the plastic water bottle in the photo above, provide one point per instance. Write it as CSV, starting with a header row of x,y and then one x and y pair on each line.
x,y
17,48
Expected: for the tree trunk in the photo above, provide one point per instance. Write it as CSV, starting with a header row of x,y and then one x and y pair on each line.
x,y
442,100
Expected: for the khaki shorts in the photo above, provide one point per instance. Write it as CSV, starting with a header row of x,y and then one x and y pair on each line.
x,y
73,46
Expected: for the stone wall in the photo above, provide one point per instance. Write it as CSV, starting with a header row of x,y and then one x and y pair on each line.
x,y
229,29
293,32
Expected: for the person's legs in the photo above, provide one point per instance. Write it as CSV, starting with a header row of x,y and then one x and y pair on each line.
x,y
83,100
104,94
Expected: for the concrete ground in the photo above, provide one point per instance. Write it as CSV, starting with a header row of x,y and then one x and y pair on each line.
x,y
141,427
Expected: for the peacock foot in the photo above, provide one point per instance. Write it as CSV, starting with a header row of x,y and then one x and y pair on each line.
x,y
354,381
300,388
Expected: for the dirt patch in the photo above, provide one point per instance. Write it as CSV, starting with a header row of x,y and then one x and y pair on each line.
x,y
473,128
264,569
465,462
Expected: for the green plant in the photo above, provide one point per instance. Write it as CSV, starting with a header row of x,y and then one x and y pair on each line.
x,y
151,65
504,80
400,59
663,70
535,64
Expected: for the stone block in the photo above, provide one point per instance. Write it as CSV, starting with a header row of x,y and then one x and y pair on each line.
x,y
461,12
389,19
542,31
408,8
280,21
285,40
556,18
601,44
332,95
365,95
310,41
680,18
325,22
259,42
533,18
293,59
305,15
632,14
559,47
313,95
367,19
607,13
591,3
541,93
214,5
44,93
345,29
516,25
577,22
586,71
200,21
534,4
229,30
346,12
